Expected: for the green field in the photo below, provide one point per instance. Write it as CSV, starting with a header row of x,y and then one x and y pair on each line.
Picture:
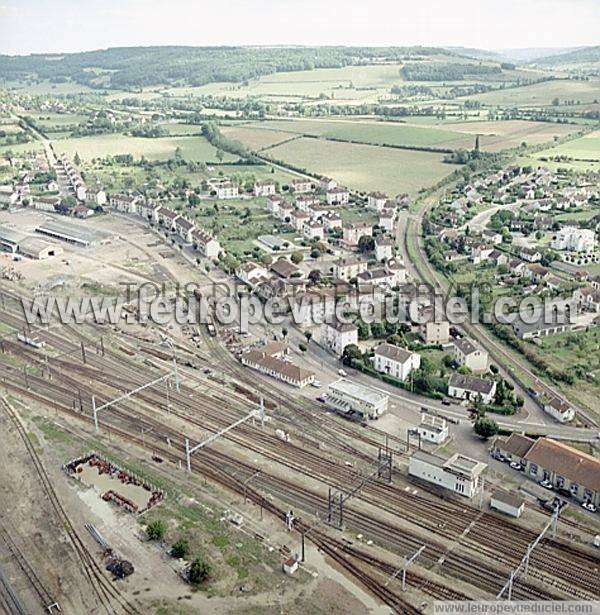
x,y
585,148
256,138
192,148
542,94
373,132
365,167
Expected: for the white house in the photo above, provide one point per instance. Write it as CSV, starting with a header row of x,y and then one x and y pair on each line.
x,y
348,268
384,247
507,503
353,232
326,183
472,388
387,219
249,273
395,361
433,428
264,188
184,229
335,336
560,409
205,243
466,353
376,200
124,203
300,186
338,196
313,230
227,190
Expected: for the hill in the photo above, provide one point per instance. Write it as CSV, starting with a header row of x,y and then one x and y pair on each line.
x,y
576,56
135,67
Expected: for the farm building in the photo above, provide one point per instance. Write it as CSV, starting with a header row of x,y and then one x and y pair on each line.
x,y
353,399
459,474
73,233
507,503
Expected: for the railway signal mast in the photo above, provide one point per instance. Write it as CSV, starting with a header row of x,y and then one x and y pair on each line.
x,y
524,563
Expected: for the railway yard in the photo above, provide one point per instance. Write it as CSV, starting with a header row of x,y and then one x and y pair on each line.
x,y
48,395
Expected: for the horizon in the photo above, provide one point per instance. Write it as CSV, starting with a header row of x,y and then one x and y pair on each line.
x,y
32,27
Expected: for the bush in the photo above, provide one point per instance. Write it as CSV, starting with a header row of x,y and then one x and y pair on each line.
x,y
156,530
199,571
486,428
180,548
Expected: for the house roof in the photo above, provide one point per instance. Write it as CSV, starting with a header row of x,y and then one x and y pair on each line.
x,y
515,444
560,404
283,368
284,268
395,353
471,383
574,465
342,327
465,345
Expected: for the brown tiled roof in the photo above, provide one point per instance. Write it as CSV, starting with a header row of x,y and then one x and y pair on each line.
x,y
284,268
574,465
515,444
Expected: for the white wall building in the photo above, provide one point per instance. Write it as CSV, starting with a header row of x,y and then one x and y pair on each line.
x,y
395,361
575,239
466,353
560,409
335,336
433,428
471,388
459,474
353,399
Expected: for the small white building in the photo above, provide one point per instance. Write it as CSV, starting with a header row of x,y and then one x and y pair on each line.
x,y
326,183
376,200
471,388
338,196
459,474
227,190
387,219
313,230
384,248
356,400
575,239
301,186
507,503
336,335
348,268
560,409
290,566
205,243
433,428
264,188
395,361
353,232
124,203
466,353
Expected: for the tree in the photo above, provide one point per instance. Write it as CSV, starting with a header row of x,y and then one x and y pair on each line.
x,y
377,329
363,330
77,159
296,258
181,548
308,336
351,352
156,530
302,347
220,155
284,332
486,428
366,244
199,571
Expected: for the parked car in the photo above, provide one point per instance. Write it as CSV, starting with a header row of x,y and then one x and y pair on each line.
x,y
546,484
515,465
445,401
589,506
316,384
342,373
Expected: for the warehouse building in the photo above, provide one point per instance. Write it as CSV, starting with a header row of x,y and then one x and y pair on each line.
x,y
38,248
10,239
73,233
356,400
459,474
570,471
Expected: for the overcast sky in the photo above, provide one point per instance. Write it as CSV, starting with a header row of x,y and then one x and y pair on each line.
x,y
33,26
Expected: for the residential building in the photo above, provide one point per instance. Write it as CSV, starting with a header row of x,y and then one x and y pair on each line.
x,y
305,201
471,388
459,474
542,326
273,203
353,232
467,353
285,269
395,361
575,239
384,248
560,409
298,219
336,335
251,273
338,196
313,230
387,219
531,255
166,217
376,200
356,400
432,331
205,243
184,229
46,203
300,186
326,183
96,196
227,190
348,268
264,188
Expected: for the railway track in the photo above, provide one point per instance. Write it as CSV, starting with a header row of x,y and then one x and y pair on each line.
x,y
108,595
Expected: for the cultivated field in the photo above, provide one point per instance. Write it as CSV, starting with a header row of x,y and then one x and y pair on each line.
x,y
585,148
256,138
192,148
542,94
365,167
